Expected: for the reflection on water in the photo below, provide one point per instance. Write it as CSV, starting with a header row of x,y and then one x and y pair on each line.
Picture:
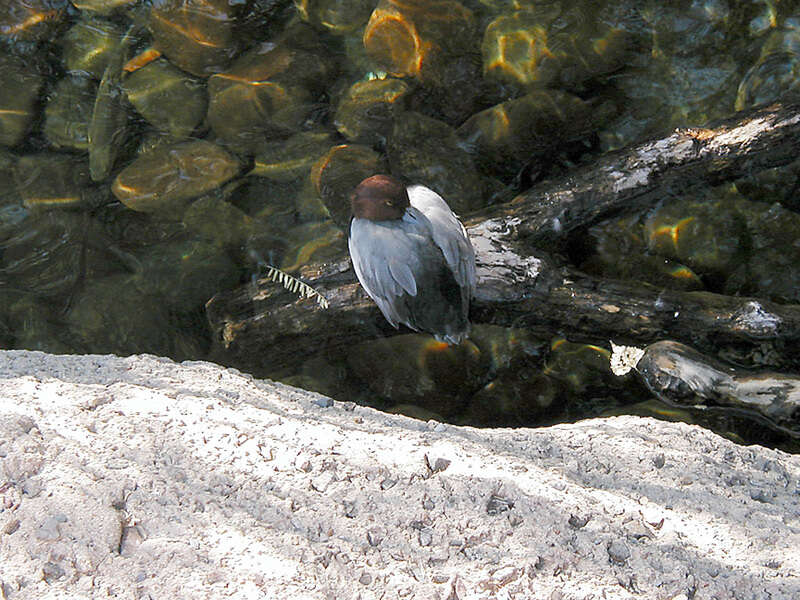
x,y
154,153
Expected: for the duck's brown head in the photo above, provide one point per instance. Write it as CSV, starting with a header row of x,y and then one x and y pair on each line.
x,y
379,198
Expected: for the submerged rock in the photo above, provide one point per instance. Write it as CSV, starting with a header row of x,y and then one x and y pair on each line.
x,y
620,251
367,111
20,84
737,246
195,35
505,137
312,242
218,220
102,7
89,45
69,112
551,44
109,321
287,160
425,150
340,170
337,16
108,129
774,76
268,91
183,275
434,375
418,38
31,20
169,99
52,180
169,175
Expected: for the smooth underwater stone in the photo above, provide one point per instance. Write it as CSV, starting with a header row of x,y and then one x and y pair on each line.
x,y
266,92
772,265
337,16
517,391
437,376
69,111
31,20
707,235
307,204
65,238
8,161
769,186
685,72
108,128
552,44
53,180
340,170
30,320
184,274
512,133
89,45
109,315
20,84
102,7
195,35
218,220
171,174
774,75
523,397
739,246
418,38
515,49
367,110
580,367
286,160
167,98
312,242
427,151
620,252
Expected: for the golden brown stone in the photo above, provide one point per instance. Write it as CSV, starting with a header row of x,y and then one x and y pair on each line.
x,y
171,174
196,35
417,37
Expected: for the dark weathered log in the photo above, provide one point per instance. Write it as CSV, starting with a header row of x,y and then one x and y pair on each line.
x,y
634,178
264,328
592,309
268,329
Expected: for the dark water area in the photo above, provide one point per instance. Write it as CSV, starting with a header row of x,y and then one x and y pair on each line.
x,y
156,154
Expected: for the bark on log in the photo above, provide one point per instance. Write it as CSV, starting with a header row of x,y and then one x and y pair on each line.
x,y
268,329
634,178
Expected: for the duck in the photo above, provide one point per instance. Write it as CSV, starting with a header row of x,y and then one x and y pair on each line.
x,y
412,256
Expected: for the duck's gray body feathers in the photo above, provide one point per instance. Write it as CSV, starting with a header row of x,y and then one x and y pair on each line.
x,y
420,269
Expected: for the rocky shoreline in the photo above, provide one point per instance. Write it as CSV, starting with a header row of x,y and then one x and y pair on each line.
x,y
140,477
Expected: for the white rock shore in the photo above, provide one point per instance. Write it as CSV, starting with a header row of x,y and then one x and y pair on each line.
x,y
143,478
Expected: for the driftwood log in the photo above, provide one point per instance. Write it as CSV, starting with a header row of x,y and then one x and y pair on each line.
x,y
681,376
638,177
267,329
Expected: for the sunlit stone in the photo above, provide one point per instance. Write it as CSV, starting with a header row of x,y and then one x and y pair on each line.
x,y
417,38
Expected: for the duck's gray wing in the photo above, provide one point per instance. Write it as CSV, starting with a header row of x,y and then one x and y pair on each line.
x,y
405,273
448,234
388,262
